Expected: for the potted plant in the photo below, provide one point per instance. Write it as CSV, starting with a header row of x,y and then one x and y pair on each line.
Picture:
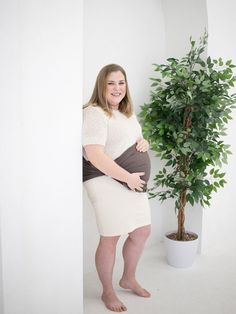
x,y
185,120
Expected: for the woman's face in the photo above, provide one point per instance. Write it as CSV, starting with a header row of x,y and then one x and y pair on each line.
x,y
115,88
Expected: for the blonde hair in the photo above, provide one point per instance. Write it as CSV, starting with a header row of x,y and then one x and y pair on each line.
x,y
98,97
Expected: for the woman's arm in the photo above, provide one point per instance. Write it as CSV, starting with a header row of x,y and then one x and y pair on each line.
x,y
96,155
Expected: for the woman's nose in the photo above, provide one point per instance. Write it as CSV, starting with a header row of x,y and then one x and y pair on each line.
x,y
116,86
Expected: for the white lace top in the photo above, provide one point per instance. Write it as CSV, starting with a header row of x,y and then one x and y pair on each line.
x,y
117,133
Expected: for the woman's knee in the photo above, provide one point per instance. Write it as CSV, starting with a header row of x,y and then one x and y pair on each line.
x,y
141,234
109,242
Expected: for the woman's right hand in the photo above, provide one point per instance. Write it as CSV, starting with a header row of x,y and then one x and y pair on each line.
x,y
134,182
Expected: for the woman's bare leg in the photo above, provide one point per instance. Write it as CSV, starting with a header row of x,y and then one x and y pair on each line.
x,y
105,260
132,250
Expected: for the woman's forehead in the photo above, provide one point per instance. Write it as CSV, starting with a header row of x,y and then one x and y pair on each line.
x,y
116,76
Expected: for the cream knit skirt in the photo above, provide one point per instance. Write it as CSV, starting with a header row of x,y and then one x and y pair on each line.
x,y
118,210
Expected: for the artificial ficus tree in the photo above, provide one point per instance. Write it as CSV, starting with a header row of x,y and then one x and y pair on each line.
x,y
185,121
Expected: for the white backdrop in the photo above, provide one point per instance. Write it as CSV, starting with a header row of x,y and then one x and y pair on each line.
x,y
220,218
40,115
40,154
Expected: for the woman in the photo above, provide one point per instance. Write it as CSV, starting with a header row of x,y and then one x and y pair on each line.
x,y
110,127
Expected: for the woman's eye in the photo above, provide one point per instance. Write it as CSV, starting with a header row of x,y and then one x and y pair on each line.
x,y
112,83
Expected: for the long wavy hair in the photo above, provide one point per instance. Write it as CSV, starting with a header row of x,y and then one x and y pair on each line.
x,y
98,97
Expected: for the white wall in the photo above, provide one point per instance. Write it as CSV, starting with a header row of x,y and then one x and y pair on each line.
x,y
1,283
41,222
130,33
183,18
220,218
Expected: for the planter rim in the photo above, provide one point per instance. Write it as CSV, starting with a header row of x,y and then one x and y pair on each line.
x,y
175,231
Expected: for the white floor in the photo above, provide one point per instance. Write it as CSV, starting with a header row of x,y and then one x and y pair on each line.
x,y
208,287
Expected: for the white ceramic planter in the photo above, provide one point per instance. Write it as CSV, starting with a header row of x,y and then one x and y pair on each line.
x,y
181,254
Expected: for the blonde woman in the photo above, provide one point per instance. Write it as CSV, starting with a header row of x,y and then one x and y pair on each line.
x,y
111,136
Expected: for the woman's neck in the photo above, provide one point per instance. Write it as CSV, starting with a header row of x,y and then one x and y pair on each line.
x,y
114,107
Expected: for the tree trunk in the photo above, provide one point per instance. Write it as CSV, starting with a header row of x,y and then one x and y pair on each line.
x,y
187,123
181,215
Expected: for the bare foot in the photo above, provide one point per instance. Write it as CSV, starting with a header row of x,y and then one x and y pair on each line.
x,y
135,287
112,302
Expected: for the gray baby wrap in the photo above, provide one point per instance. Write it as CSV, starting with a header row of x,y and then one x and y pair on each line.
x,y
131,160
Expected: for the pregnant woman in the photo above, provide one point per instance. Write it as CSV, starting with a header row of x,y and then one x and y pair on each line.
x,y
116,168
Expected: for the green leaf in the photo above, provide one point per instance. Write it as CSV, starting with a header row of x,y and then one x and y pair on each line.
x,y
216,184
187,144
220,62
190,199
201,62
231,83
209,60
154,84
189,94
206,202
222,182
212,171
221,175
169,163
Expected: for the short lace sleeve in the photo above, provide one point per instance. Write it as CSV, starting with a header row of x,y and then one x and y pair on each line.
x,y
95,123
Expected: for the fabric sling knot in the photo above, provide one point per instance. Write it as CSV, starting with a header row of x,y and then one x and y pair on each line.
x,y
131,160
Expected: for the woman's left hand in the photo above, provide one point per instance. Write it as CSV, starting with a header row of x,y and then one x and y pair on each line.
x,y
142,145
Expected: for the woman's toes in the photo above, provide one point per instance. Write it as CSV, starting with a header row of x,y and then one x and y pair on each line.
x,y
113,303
135,287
